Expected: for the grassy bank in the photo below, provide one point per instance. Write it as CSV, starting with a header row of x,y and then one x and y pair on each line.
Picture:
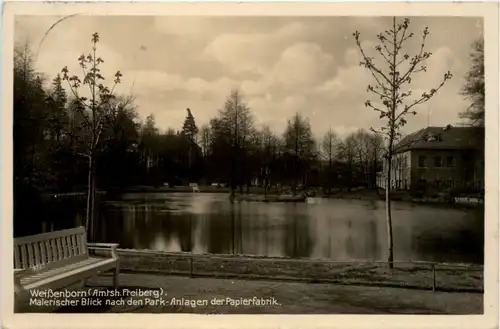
x,y
416,275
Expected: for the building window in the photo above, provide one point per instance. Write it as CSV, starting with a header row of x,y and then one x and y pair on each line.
x,y
421,161
437,162
450,161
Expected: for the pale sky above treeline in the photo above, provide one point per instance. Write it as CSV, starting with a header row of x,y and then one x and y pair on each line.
x,y
281,64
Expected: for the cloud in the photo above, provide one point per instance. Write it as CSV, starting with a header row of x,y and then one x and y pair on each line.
x,y
258,51
302,65
282,65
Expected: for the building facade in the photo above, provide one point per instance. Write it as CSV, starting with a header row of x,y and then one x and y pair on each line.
x,y
440,157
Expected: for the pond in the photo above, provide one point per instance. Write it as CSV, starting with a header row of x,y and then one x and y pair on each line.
x,y
336,229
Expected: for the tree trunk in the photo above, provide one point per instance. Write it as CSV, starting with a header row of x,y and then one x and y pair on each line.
x,y
388,214
89,196
329,186
392,123
92,206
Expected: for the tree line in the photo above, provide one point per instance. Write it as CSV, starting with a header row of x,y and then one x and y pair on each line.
x,y
51,144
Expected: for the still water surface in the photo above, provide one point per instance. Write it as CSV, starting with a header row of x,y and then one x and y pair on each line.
x,y
322,228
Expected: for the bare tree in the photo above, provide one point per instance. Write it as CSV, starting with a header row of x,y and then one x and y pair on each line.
x,y
392,80
299,142
94,110
329,146
237,120
347,152
205,139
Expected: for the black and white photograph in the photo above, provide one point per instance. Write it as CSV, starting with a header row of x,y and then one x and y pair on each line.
x,y
251,164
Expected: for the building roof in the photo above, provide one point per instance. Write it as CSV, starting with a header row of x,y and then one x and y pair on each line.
x,y
443,138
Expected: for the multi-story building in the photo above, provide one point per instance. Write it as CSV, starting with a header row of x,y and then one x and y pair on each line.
x,y
440,157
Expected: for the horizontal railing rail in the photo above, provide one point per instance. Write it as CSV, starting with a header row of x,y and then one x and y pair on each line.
x,y
410,273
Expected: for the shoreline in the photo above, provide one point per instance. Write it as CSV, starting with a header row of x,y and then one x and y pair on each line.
x,y
258,195
412,275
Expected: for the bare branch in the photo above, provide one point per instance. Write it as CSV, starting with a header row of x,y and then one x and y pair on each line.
x,y
379,50
426,96
368,61
422,56
380,94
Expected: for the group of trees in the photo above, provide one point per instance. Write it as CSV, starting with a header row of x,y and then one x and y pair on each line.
x,y
231,149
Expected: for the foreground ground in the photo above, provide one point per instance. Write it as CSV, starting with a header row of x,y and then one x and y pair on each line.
x,y
219,296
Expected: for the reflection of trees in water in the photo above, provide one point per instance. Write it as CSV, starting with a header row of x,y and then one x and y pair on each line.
x,y
140,226
362,238
220,228
297,240
252,229
186,227
199,234
352,230
148,226
121,225
344,234
53,214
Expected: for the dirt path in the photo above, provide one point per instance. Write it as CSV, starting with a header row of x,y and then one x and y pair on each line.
x,y
220,296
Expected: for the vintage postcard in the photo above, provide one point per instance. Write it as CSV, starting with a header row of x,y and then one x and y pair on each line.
x,y
327,165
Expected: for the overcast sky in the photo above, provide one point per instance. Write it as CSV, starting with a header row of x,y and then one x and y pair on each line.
x,y
281,64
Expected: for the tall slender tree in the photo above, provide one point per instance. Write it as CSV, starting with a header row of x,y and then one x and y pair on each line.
x,y
236,120
300,144
93,110
391,86
189,127
190,131
329,146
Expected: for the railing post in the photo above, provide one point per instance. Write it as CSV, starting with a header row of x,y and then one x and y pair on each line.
x,y
433,277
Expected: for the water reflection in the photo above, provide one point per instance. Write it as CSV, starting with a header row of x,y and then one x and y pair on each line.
x,y
335,229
